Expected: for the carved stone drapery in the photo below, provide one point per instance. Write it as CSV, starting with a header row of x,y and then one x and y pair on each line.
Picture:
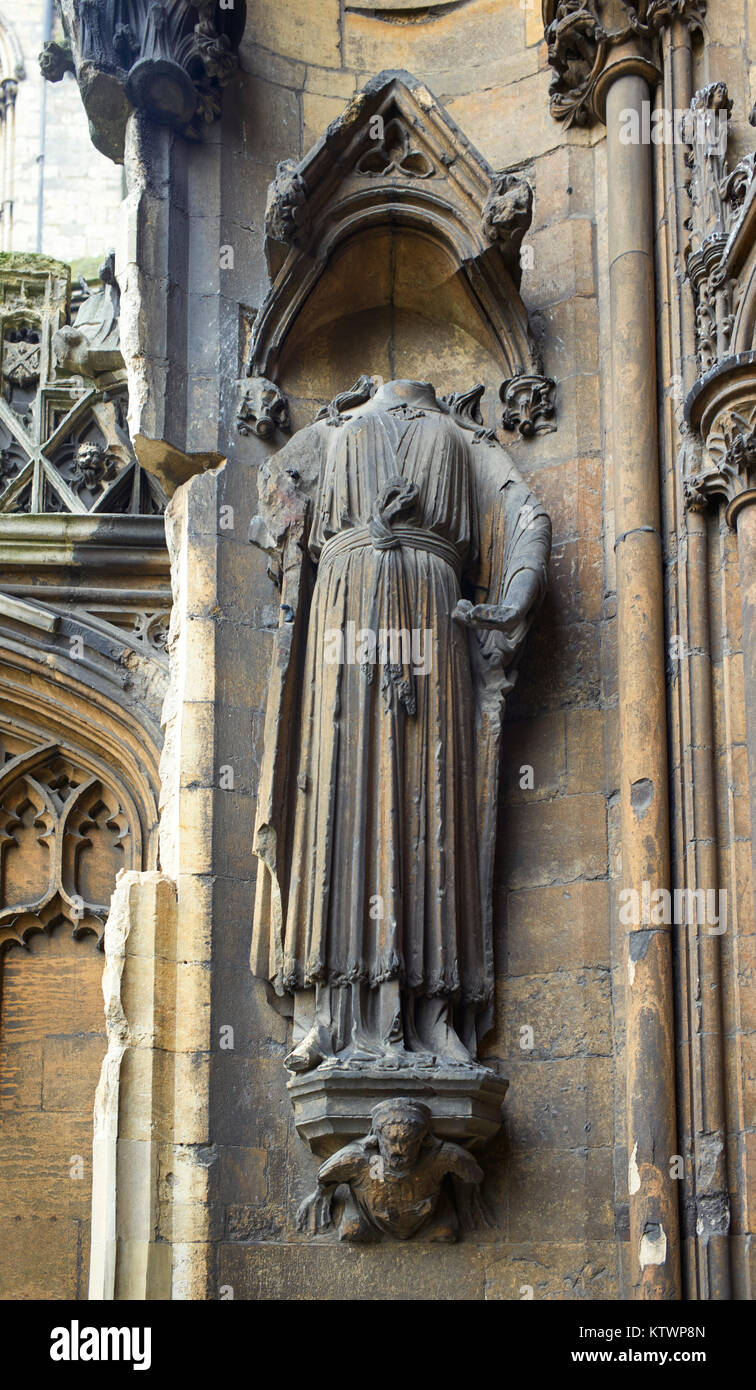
x,y
90,346
391,986
168,59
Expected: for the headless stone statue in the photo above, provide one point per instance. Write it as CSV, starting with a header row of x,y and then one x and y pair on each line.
x,y
412,558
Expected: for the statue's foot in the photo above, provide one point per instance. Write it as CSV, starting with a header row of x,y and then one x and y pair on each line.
x,y
359,1053
449,1049
307,1054
431,1034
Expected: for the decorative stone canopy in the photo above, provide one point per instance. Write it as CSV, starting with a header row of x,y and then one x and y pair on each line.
x,y
588,40
721,407
169,60
395,158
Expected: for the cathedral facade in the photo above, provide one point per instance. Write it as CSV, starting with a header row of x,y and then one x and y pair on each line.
x,y
377,650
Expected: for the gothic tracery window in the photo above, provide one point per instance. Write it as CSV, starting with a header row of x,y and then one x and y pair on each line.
x,y
65,832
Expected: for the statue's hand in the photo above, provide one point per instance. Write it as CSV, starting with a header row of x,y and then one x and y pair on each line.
x,y
314,1214
502,617
499,628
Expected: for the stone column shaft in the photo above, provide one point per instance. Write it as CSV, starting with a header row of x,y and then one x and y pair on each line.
x,y
746,532
705,1112
649,1044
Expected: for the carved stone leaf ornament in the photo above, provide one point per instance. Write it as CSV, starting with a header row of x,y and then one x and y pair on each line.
x,y
581,36
730,475
167,58
528,404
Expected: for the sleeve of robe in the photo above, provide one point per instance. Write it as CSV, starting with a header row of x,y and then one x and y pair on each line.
x,y
288,489
513,534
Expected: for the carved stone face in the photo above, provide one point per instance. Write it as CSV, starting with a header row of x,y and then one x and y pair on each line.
x,y
400,1139
90,464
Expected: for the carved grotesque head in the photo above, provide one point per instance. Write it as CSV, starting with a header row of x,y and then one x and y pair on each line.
x,y
400,1126
91,464
285,211
508,210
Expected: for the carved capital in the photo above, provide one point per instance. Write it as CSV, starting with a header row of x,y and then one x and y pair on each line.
x,y
660,13
731,474
263,408
168,60
590,42
528,404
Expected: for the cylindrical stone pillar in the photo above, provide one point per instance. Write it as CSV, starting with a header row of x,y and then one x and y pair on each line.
x,y
745,522
649,1044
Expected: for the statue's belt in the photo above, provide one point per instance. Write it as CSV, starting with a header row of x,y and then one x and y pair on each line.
x,y
413,537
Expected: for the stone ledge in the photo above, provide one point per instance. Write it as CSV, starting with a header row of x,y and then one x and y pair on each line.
x,y
333,1105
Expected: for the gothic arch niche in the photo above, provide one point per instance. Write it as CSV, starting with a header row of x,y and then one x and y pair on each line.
x,y
394,300
70,819
394,245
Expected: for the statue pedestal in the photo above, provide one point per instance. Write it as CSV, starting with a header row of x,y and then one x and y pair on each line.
x,y
333,1104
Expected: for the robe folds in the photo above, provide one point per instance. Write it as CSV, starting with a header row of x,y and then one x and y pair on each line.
x,y
377,800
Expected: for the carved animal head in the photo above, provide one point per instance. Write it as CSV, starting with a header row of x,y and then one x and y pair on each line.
x,y
92,465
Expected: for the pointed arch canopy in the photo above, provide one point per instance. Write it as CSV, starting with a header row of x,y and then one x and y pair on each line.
x,y
395,158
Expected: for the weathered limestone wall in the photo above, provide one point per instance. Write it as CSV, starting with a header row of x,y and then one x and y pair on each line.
x,y
558,1177
52,1047
552,1186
